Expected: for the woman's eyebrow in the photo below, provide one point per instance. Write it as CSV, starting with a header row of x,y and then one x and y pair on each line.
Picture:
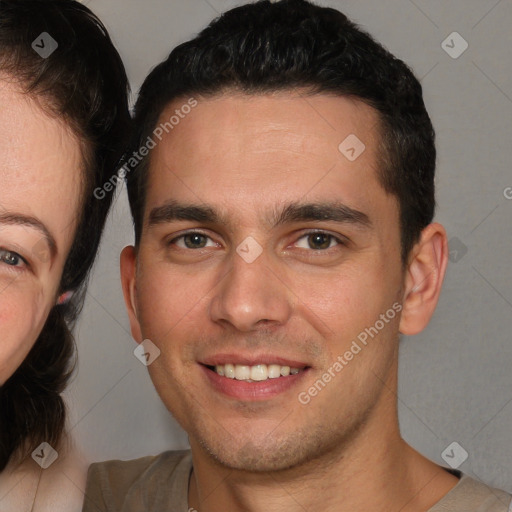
x,y
19,219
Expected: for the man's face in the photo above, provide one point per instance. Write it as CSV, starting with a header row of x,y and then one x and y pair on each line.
x,y
266,282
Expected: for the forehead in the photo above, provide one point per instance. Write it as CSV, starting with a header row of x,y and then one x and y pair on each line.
x,y
241,149
40,162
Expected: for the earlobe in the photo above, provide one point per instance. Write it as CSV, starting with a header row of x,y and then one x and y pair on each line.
x,y
128,262
424,279
64,298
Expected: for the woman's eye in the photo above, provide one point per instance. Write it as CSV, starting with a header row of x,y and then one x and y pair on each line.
x,y
318,241
11,258
192,241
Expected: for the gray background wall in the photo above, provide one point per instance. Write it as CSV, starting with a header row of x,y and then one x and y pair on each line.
x,y
455,379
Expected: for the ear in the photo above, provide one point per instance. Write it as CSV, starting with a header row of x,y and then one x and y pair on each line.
x,y
424,278
128,273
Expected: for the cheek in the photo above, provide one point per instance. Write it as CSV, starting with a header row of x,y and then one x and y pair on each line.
x,y
170,316
21,321
166,300
341,305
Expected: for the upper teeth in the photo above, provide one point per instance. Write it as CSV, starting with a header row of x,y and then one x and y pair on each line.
x,y
254,373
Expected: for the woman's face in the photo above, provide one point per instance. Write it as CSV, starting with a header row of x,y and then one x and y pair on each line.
x,y
40,186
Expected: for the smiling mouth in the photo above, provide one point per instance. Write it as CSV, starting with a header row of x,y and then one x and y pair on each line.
x,y
255,373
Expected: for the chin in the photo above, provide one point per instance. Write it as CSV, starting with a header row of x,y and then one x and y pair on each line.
x,y
270,454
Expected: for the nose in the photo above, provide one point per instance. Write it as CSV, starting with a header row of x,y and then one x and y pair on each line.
x,y
252,295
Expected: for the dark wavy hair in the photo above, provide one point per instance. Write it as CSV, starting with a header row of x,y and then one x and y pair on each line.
x,y
293,44
84,83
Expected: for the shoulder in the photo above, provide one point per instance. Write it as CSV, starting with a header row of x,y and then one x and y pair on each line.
x,y
114,482
471,494
127,472
61,486
57,488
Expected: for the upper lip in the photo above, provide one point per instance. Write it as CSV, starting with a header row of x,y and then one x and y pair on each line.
x,y
251,360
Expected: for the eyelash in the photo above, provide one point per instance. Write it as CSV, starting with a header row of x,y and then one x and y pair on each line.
x,y
7,252
340,241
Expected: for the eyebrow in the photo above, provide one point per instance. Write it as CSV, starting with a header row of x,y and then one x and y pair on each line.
x,y
324,212
288,213
18,219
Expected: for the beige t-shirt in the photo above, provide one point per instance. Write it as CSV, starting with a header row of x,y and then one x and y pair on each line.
x,y
160,484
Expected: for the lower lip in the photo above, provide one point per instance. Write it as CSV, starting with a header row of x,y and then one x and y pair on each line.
x,y
252,391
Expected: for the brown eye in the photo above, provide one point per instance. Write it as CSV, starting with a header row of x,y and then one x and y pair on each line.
x,y
192,240
318,241
195,241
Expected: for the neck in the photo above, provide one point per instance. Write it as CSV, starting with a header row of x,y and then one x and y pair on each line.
x,y
375,470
